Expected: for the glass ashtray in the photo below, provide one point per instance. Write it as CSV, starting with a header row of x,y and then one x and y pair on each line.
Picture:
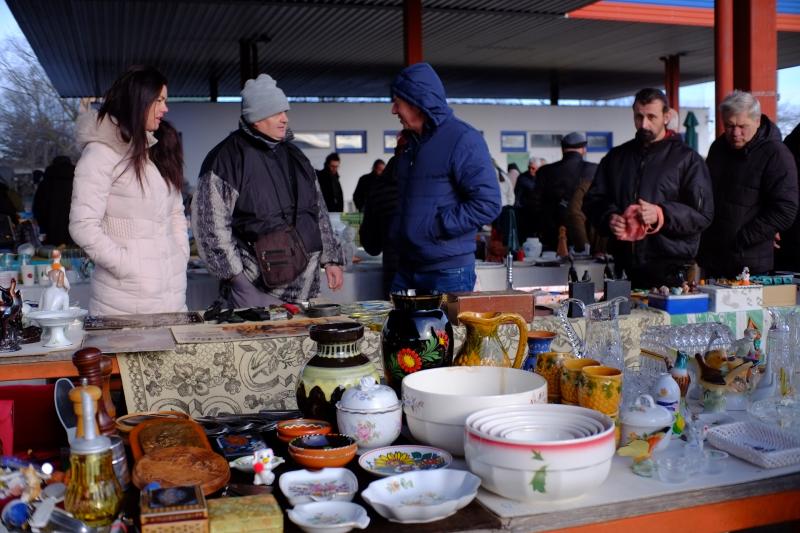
x,y
674,468
715,462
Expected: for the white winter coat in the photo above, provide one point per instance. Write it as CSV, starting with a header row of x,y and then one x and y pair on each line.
x,y
136,236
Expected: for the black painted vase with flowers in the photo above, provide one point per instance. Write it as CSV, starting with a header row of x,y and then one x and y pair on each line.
x,y
416,336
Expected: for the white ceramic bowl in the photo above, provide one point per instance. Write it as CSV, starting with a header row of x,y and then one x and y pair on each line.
x,y
424,496
437,401
329,517
490,421
328,484
542,470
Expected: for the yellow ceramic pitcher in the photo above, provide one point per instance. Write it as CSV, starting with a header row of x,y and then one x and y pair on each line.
x,y
482,347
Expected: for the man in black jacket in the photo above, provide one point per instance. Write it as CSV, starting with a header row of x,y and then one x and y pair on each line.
x,y
329,183
556,183
787,257
652,196
755,190
256,182
365,183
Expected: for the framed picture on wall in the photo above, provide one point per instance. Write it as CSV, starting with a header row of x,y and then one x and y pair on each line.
x,y
350,141
389,141
599,141
312,139
513,141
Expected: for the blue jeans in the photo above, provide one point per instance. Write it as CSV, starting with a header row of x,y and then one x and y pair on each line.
x,y
461,279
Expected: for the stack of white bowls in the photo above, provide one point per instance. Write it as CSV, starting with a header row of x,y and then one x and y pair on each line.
x,y
539,452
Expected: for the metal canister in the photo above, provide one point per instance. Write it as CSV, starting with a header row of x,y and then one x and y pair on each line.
x,y
120,462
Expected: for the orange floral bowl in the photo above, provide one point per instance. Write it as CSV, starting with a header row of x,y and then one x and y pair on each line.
x,y
321,451
290,429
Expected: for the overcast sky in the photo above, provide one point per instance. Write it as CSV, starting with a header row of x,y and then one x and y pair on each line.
x,y
701,95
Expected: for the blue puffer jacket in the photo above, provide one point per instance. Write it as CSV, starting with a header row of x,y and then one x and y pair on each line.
x,y
447,183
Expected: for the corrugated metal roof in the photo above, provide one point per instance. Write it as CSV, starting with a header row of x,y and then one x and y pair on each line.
x,y
482,48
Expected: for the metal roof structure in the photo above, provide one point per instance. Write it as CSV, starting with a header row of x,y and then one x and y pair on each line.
x,y
481,48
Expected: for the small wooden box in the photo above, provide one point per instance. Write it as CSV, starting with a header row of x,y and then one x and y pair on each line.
x,y
174,510
519,302
245,514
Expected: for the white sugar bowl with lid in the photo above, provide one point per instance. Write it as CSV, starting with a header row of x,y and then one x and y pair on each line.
x,y
370,413
644,419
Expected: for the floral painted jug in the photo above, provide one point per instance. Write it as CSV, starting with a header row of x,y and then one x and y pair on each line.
x,y
416,336
483,347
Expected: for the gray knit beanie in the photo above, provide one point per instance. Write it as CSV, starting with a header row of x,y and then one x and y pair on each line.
x,y
261,98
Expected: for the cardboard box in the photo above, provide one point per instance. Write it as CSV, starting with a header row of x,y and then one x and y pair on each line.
x,y
780,295
735,298
245,514
519,302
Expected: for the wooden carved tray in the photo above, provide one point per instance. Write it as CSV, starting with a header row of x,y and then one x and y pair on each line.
x,y
161,433
183,465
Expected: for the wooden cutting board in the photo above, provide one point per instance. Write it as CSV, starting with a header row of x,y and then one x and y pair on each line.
x,y
183,465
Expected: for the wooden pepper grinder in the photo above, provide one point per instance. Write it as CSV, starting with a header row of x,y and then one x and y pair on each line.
x,y
88,361
77,405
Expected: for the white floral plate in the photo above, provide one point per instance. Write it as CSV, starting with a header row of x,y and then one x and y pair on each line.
x,y
391,460
328,484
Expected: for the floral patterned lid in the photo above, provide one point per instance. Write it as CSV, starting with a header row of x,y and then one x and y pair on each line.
x,y
368,396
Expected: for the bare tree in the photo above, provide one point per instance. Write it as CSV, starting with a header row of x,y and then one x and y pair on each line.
x,y
788,117
36,124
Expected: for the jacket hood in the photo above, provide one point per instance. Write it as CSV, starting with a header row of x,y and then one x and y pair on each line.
x,y
106,132
420,86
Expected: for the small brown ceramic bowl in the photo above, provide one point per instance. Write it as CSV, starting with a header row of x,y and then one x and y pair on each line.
x,y
321,451
297,427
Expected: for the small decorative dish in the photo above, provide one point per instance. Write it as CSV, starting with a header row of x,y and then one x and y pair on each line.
x,y
329,517
391,460
328,484
320,451
297,427
421,497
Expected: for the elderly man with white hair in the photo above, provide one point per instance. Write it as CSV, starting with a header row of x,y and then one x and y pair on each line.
x,y
754,179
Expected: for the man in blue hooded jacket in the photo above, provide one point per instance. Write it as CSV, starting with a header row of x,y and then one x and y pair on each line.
x,y
447,186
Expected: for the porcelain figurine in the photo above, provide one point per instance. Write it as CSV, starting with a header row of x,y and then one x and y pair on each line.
x,y
745,347
744,277
680,372
263,463
667,392
56,265
56,296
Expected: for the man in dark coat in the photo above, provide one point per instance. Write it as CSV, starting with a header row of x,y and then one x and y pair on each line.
x,y
755,190
447,187
556,184
663,186
256,182
787,257
526,217
52,201
328,179
365,184
380,206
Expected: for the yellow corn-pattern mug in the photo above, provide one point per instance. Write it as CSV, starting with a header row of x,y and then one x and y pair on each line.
x,y
548,365
571,377
601,389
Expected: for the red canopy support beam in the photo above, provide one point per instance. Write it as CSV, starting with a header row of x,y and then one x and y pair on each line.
x,y
412,31
672,80
755,51
723,55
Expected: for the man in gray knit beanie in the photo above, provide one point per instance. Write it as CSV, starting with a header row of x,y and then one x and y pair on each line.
x,y
255,183
261,98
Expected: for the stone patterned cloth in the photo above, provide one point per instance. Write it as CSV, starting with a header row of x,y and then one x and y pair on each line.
x,y
247,376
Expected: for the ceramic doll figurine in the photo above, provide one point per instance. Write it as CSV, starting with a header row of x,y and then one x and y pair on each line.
x,y
56,296
263,463
56,265
745,347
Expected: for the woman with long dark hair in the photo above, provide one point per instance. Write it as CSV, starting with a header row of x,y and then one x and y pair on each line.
x,y
126,211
